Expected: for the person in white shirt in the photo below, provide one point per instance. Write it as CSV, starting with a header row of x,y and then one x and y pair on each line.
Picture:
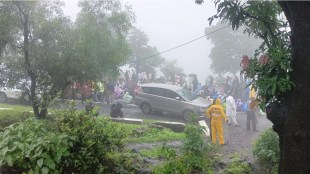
x,y
231,110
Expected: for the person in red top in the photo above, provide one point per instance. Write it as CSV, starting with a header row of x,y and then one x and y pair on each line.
x,y
216,113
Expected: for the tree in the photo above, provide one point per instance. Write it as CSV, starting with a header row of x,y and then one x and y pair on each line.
x,y
141,51
57,52
281,75
228,46
102,28
170,69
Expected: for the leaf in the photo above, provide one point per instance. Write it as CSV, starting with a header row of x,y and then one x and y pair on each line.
x,y
40,162
8,159
45,170
51,164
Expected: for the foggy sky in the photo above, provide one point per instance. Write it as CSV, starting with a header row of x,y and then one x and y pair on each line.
x,y
169,23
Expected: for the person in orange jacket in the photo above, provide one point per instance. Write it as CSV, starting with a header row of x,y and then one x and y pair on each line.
x,y
216,113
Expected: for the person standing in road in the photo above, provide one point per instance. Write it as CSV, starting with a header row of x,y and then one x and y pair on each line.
x,y
231,110
216,113
251,117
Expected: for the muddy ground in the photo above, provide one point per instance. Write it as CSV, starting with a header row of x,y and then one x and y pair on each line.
x,y
241,141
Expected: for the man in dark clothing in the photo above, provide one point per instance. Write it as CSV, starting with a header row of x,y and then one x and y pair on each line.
x,y
116,110
235,87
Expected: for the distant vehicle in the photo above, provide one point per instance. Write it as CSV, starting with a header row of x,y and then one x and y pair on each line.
x,y
169,98
19,91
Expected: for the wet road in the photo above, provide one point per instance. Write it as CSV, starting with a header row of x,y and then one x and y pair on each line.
x,y
132,111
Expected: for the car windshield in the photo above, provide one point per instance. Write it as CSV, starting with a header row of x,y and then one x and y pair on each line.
x,y
187,95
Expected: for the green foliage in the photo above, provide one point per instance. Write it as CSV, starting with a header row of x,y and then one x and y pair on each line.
x,y
163,151
95,144
237,166
194,154
62,51
263,19
32,147
74,142
266,149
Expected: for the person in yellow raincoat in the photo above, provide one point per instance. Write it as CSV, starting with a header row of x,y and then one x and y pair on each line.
x,y
216,113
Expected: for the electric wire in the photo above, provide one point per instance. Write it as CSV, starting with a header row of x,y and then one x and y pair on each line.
x,y
186,43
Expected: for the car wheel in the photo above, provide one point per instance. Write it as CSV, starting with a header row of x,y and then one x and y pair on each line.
x,y
187,115
3,97
146,108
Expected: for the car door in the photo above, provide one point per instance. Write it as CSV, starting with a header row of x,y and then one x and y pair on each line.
x,y
174,102
158,99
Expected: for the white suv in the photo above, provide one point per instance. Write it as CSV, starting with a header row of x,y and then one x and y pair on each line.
x,y
12,93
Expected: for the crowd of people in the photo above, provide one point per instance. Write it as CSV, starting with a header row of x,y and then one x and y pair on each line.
x,y
246,102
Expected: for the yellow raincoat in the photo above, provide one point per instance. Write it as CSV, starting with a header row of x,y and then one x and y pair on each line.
x,y
216,113
252,93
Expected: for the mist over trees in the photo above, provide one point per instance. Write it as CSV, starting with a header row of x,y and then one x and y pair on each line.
x,y
170,68
228,47
38,40
141,50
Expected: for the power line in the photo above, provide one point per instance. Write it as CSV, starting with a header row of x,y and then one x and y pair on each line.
x,y
179,45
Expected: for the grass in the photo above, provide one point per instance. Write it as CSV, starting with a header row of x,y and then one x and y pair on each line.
x,y
237,166
14,114
151,153
149,135
163,152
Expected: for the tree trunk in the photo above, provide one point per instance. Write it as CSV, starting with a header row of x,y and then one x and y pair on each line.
x,y
291,118
25,21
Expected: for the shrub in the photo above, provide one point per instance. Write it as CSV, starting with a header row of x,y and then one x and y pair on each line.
x,y
194,154
237,166
73,142
267,151
97,144
31,147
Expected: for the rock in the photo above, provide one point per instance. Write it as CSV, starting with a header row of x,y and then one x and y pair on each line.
x,y
226,161
160,127
152,162
144,171
128,120
139,131
174,126
134,151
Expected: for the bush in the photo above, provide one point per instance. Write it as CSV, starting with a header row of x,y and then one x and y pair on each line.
x,y
237,166
96,142
71,143
267,151
194,155
30,146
